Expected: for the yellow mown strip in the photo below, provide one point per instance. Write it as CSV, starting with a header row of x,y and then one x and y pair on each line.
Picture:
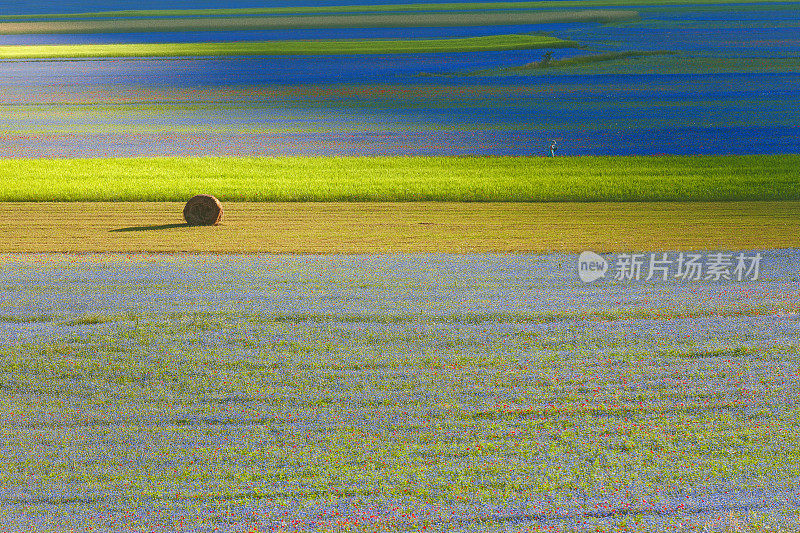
x,y
446,227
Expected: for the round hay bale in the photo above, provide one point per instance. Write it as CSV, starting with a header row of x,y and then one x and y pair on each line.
x,y
203,210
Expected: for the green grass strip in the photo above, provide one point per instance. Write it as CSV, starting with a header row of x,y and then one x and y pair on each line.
x,y
633,62
548,63
379,8
317,47
480,179
587,59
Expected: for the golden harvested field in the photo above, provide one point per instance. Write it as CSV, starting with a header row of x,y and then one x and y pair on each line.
x,y
366,227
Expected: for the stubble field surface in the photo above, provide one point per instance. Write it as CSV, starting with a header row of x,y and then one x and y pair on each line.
x,y
400,227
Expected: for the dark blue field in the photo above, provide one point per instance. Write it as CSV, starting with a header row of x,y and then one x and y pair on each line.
x,y
728,85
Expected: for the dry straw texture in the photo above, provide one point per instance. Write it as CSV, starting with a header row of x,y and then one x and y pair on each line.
x,y
203,210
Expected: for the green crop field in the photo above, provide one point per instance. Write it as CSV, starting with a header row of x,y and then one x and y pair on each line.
x,y
398,179
315,47
644,62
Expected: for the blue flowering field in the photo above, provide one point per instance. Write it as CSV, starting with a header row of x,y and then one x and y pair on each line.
x,y
394,392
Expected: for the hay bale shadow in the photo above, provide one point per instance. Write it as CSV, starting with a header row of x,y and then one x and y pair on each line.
x,y
150,228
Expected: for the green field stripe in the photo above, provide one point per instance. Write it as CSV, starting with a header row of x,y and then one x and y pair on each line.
x,y
647,62
396,20
403,179
318,47
380,8
585,60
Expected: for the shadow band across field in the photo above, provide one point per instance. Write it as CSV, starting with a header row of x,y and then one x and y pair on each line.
x,y
150,228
